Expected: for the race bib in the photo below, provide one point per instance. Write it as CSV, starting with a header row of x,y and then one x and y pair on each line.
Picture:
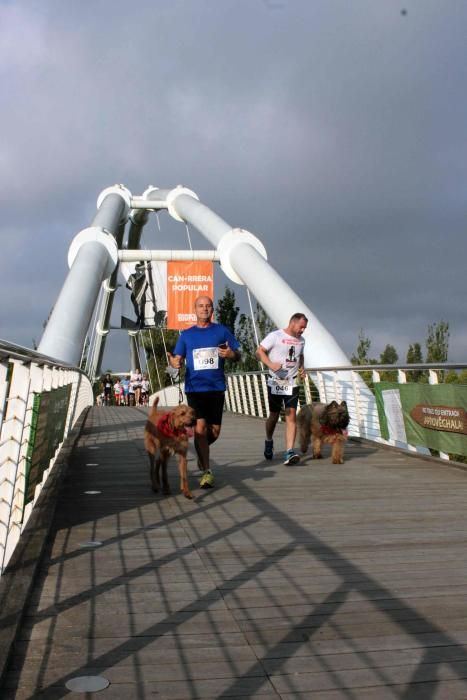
x,y
281,389
205,358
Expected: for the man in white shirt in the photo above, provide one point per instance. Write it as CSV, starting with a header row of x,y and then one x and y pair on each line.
x,y
282,352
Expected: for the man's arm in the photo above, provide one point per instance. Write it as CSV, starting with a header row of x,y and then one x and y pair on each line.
x,y
263,357
227,353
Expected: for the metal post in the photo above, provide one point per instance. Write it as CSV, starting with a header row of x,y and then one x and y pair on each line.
x,y
134,355
92,257
103,319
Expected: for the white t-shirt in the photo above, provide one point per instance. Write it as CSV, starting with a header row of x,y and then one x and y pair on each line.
x,y
135,379
284,348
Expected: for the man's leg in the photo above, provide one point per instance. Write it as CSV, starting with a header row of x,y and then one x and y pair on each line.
x,y
291,457
271,424
205,435
213,433
201,443
290,427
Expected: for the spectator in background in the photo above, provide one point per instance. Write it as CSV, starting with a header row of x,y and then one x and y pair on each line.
x,y
125,384
108,389
145,390
135,385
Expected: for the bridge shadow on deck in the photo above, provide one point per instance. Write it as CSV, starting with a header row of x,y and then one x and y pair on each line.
x,y
318,581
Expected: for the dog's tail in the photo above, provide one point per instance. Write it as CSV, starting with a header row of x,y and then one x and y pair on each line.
x,y
154,406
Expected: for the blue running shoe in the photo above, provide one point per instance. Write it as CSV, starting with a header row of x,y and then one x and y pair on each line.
x,y
291,457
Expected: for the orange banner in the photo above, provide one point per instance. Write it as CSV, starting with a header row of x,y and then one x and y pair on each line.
x,y
185,282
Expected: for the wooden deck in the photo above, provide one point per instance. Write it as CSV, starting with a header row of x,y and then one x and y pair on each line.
x,y
313,581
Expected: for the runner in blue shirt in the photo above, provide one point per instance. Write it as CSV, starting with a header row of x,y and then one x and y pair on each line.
x,y
205,347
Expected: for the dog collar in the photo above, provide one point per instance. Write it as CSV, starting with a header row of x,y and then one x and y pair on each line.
x,y
326,430
166,428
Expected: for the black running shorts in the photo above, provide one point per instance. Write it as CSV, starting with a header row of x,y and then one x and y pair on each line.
x,y
287,401
208,405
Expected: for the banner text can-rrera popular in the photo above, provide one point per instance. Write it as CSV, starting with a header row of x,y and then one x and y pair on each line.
x,y
185,282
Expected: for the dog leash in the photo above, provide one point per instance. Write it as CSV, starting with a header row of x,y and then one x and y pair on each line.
x,y
175,376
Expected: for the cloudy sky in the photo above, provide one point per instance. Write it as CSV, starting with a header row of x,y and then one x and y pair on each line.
x,y
335,130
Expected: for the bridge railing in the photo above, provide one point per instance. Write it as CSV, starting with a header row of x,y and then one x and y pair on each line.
x,y
247,393
40,401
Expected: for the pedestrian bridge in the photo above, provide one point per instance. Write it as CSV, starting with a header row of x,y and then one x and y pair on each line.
x,y
331,582
314,581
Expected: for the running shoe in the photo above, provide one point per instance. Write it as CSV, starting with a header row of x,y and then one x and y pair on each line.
x,y
207,480
291,457
269,449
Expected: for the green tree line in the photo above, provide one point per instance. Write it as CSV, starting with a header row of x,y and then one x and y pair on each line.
x,y
436,351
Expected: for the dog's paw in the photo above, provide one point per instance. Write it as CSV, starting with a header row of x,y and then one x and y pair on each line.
x,y
338,461
187,494
155,487
319,456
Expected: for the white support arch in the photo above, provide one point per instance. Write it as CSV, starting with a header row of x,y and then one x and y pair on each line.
x,y
243,259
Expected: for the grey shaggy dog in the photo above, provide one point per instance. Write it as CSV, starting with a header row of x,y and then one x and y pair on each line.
x,y
324,423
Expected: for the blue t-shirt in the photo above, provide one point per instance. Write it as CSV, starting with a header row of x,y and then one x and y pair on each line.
x,y
199,347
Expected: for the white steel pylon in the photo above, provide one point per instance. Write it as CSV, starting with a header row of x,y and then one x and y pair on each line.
x,y
94,255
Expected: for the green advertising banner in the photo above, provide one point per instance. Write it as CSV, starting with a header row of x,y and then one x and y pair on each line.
x,y
49,414
433,415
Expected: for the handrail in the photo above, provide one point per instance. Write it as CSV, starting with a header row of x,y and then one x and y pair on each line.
x,y
19,352
247,394
41,399
360,368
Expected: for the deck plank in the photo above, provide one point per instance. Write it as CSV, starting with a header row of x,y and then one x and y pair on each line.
x,y
314,581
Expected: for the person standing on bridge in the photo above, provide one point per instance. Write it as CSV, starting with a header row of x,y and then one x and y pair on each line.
x,y
205,347
282,352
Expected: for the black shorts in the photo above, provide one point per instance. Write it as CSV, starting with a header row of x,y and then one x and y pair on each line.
x,y
287,401
208,405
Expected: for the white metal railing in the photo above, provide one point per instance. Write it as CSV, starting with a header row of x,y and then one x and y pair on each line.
x,y
25,374
247,394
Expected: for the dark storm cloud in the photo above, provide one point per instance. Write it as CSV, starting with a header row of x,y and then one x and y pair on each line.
x,y
334,131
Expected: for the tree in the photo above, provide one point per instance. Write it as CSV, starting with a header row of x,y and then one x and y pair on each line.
x,y
437,342
415,357
246,337
361,357
226,310
227,313
154,343
414,354
456,377
264,324
389,355
363,348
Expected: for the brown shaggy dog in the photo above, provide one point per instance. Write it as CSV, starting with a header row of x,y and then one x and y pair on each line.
x,y
325,423
167,434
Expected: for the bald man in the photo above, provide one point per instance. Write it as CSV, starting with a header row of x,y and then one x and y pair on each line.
x,y
204,347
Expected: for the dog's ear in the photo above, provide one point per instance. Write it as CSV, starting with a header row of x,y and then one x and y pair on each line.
x,y
177,415
344,404
333,404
